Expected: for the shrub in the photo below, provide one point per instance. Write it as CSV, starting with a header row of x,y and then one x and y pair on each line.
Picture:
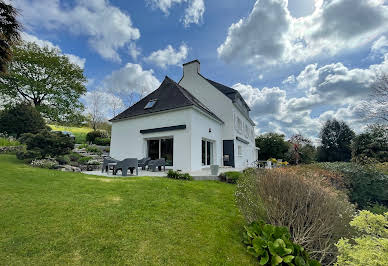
x,y
8,141
92,135
28,155
21,119
377,209
44,163
371,247
315,213
83,146
85,160
94,149
48,143
178,175
272,245
365,184
75,156
230,177
102,141
63,159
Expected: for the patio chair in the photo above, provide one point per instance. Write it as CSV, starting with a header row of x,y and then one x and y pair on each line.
x,y
124,165
157,163
107,160
144,162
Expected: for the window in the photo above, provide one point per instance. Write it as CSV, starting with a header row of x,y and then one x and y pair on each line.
x,y
150,104
161,148
207,152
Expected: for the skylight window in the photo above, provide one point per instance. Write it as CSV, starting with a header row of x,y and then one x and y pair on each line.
x,y
150,104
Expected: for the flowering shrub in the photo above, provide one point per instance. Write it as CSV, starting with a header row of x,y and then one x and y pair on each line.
x,y
44,163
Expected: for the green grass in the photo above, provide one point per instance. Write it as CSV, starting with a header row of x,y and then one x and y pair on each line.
x,y
5,142
79,132
52,217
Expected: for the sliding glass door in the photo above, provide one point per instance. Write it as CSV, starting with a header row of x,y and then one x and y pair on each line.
x,y
207,152
161,148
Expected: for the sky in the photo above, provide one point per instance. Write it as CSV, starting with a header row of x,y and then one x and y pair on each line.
x,y
296,63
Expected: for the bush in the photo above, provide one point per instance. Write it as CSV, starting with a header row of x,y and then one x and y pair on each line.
x,y
8,141
21,119
63,160
94,149
74,156
178,175
365,184
371,247
85,160
92,135
102,141
44,163
271,145
315,213
230,177
47,143
272,245
83,146
28,155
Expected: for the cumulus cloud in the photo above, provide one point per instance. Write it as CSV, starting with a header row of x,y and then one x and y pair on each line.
x,y
193,12
271,36
132,78
42,43
168,56
106,27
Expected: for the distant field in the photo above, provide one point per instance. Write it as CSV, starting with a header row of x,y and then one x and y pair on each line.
x,y
79,132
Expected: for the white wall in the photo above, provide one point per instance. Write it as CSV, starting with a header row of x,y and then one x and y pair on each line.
x,y
200,130
128,142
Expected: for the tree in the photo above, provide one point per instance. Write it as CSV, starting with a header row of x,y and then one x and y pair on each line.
x,y
300,148
372,144
9,33
46,79
336,137
95,102
21,119
376,107
271,145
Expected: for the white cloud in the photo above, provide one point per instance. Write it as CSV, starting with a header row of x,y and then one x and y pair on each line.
x,y
42,43
193,12
289,80
168,56
107,27
380,46
131,78
271,36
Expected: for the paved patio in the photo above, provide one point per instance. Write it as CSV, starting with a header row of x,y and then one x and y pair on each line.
x,y
203,174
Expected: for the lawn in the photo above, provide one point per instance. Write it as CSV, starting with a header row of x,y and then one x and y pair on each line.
x,y
52,217
79,132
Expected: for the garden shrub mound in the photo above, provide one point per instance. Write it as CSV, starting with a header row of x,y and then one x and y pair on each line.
x,y
366,185
93,135
272,245
230,177
316,214
177,175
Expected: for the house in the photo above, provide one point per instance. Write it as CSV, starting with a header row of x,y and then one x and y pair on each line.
x,y
192,124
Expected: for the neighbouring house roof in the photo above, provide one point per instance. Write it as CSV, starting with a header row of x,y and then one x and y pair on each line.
x,y
168,96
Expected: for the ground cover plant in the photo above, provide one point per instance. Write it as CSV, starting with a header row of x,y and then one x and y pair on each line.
x,y
78,132
314,212
230,177
52,217
6,141
178,175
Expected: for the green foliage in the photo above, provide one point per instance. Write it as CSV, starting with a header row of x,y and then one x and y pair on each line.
x,y
272,246
21,119
377,209
371,246
365,184
92,135
336,137
94,149
271,145
83,146
85,159
102,141
6,141
44,163
372,144
177,175
28,155
74,156
47,143
230,177
46,78
78,132
310,208
63,159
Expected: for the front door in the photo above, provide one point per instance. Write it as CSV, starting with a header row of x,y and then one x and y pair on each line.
x,y
207,152
228,152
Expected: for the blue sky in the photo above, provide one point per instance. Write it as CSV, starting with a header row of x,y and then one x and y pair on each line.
x,y
296,63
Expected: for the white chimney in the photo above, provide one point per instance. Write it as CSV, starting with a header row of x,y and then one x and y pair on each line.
x,y
191,68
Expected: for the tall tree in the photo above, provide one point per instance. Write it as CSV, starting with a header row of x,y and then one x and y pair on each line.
x,y
376,107
9,33
46,79
301,150
271,145
336,137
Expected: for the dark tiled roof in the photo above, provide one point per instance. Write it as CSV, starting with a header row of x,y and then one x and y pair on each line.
x,y
169,96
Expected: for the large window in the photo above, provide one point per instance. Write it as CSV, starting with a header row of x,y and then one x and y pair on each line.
x,y
207,152
161,148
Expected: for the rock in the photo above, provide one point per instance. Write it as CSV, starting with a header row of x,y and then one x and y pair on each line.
x,y
69,168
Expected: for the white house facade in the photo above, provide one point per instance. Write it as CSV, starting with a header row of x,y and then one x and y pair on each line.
x,y
192,124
